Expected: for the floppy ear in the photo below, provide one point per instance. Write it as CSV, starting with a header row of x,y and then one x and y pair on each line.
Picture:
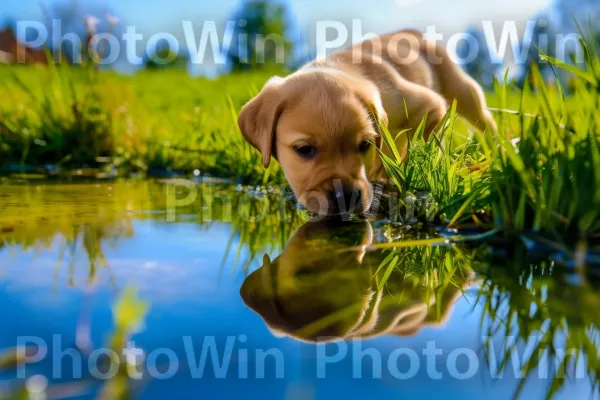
x,y
258,119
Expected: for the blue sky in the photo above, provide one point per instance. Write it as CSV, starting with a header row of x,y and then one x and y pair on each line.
x,y
378,16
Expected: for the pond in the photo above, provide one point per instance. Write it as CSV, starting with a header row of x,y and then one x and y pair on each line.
x,y
235,287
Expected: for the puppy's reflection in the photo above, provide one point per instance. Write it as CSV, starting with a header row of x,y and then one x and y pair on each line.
x,y
323,287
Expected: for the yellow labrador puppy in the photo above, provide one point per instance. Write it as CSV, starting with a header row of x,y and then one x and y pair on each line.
x,y
321,122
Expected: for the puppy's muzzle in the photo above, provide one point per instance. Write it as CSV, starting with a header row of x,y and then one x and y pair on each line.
x,y
345,200
339,197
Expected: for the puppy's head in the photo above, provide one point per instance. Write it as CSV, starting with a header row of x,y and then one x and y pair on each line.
x,y
322,126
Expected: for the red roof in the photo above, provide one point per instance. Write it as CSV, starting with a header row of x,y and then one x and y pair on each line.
x,y
11,50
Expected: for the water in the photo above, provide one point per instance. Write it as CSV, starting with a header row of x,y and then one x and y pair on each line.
x,y
244,274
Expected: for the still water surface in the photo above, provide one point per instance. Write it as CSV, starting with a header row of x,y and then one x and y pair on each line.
x,y
240,286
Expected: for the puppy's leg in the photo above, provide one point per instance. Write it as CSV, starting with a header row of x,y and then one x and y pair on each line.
x,y
413,103
457,84
470,101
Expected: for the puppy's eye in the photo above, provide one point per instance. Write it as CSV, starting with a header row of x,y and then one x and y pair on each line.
x,y
365,145
306,151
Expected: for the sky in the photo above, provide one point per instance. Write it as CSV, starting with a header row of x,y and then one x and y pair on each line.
x,y
378,16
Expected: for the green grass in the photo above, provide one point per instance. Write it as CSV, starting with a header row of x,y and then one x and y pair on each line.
x,y
450,167
540,174
153,121
161,121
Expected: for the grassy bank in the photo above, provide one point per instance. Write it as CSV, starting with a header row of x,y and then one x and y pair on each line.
x,y
541,174
152,122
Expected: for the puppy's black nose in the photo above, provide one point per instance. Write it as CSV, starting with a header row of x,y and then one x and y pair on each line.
x,y
346,200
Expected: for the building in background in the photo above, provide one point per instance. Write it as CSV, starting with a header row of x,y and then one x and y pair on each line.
x,y
12,50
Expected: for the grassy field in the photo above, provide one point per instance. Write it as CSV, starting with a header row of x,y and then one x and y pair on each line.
x,y
153,122
541,174
161,121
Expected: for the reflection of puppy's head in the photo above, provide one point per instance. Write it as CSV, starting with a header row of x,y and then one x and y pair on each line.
x,y
313,278
323,285
321,125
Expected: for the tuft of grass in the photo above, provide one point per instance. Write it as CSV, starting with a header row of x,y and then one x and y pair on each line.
x,y
549,181
541,173
155,122
59,125
450,167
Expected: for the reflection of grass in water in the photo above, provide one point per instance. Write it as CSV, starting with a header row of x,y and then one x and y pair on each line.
x,y
129,313
435,266
522,297
279,219
539,305
562,310
81,219
436,273
527,301
89,240
84,218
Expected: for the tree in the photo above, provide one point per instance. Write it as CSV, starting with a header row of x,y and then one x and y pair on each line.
x,y
164,57
82,19
261,37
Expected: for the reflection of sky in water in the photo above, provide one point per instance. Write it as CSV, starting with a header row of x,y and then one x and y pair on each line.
x,y
176,269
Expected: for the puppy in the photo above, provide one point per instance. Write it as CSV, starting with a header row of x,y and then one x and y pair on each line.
x,y
322,122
